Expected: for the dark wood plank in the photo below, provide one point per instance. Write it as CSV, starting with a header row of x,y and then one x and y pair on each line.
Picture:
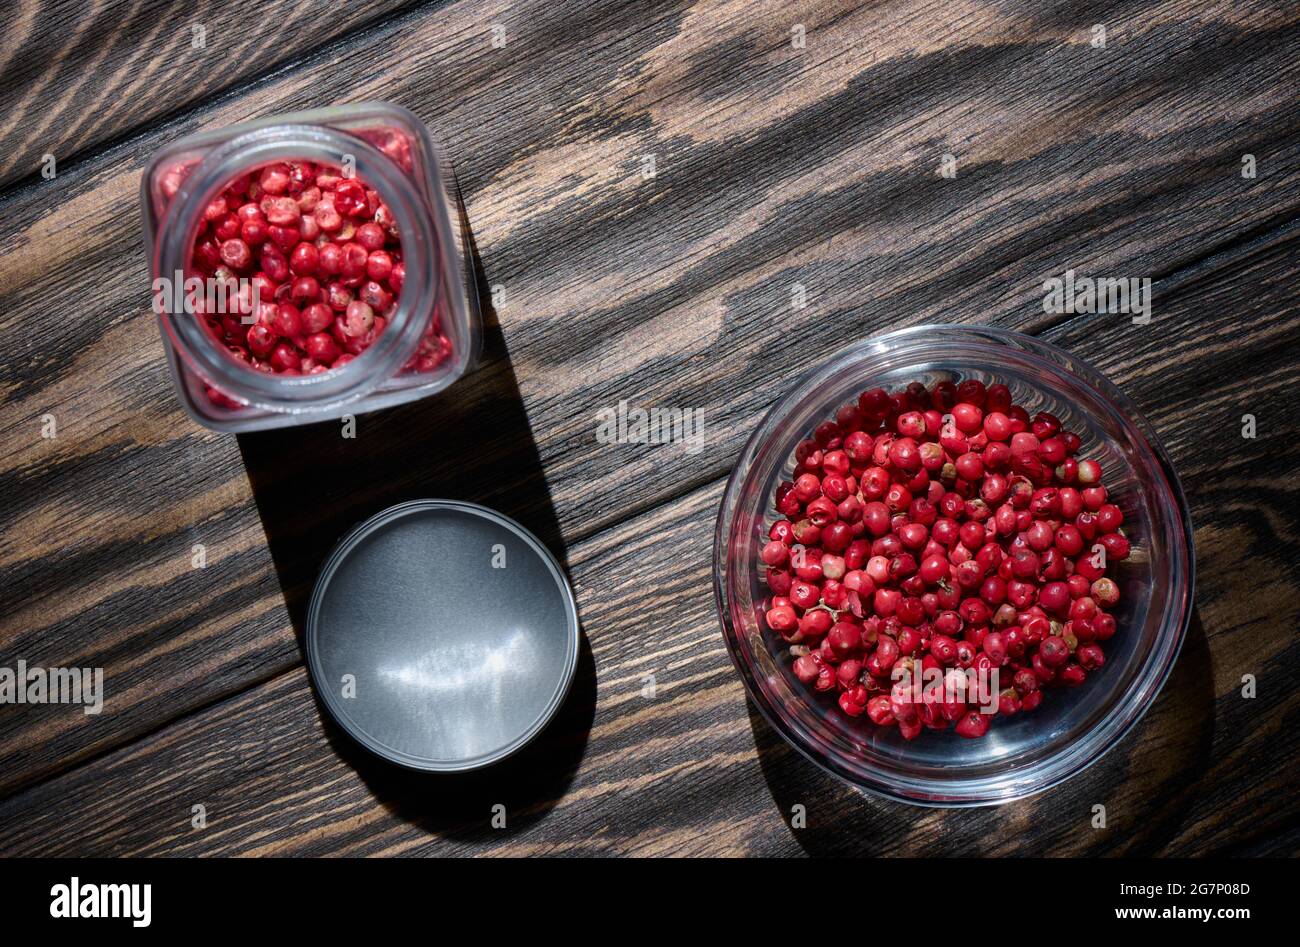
x,y
694,770
775,166
75,75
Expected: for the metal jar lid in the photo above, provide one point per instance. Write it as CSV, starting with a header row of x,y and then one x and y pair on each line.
x,y
442,635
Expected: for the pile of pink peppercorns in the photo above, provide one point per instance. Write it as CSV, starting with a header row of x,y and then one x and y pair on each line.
x,y
940,528
324,256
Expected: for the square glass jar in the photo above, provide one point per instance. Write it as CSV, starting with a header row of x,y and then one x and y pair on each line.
x,y
435,312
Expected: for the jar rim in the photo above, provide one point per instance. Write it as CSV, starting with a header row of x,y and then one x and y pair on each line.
x,y
421,287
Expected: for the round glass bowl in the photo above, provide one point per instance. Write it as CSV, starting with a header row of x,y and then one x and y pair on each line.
x,y
1074,727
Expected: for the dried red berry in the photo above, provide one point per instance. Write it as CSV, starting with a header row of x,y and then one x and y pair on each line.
x,y
312,242
942,527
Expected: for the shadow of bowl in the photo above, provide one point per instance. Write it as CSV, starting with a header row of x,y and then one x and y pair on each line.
x,y
1147,785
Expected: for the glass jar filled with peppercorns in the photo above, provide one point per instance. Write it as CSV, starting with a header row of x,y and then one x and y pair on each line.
x,y
308,266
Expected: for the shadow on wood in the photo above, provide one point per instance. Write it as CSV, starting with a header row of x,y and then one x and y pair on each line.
x,y
460,806
472,442
1151,782
1147,783
839,820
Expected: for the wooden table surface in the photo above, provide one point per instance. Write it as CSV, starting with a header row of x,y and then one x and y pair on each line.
x,y
776,163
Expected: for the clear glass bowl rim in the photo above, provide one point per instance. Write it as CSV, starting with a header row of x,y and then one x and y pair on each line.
x,y
1129,707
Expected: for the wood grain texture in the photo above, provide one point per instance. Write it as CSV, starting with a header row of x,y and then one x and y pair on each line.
x,y
74,75
695,770
774,166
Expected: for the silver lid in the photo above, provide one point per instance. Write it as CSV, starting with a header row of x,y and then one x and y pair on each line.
x,y
441,635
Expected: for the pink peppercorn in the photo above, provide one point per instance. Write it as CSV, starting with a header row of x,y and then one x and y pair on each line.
x,y
945,528
293,228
